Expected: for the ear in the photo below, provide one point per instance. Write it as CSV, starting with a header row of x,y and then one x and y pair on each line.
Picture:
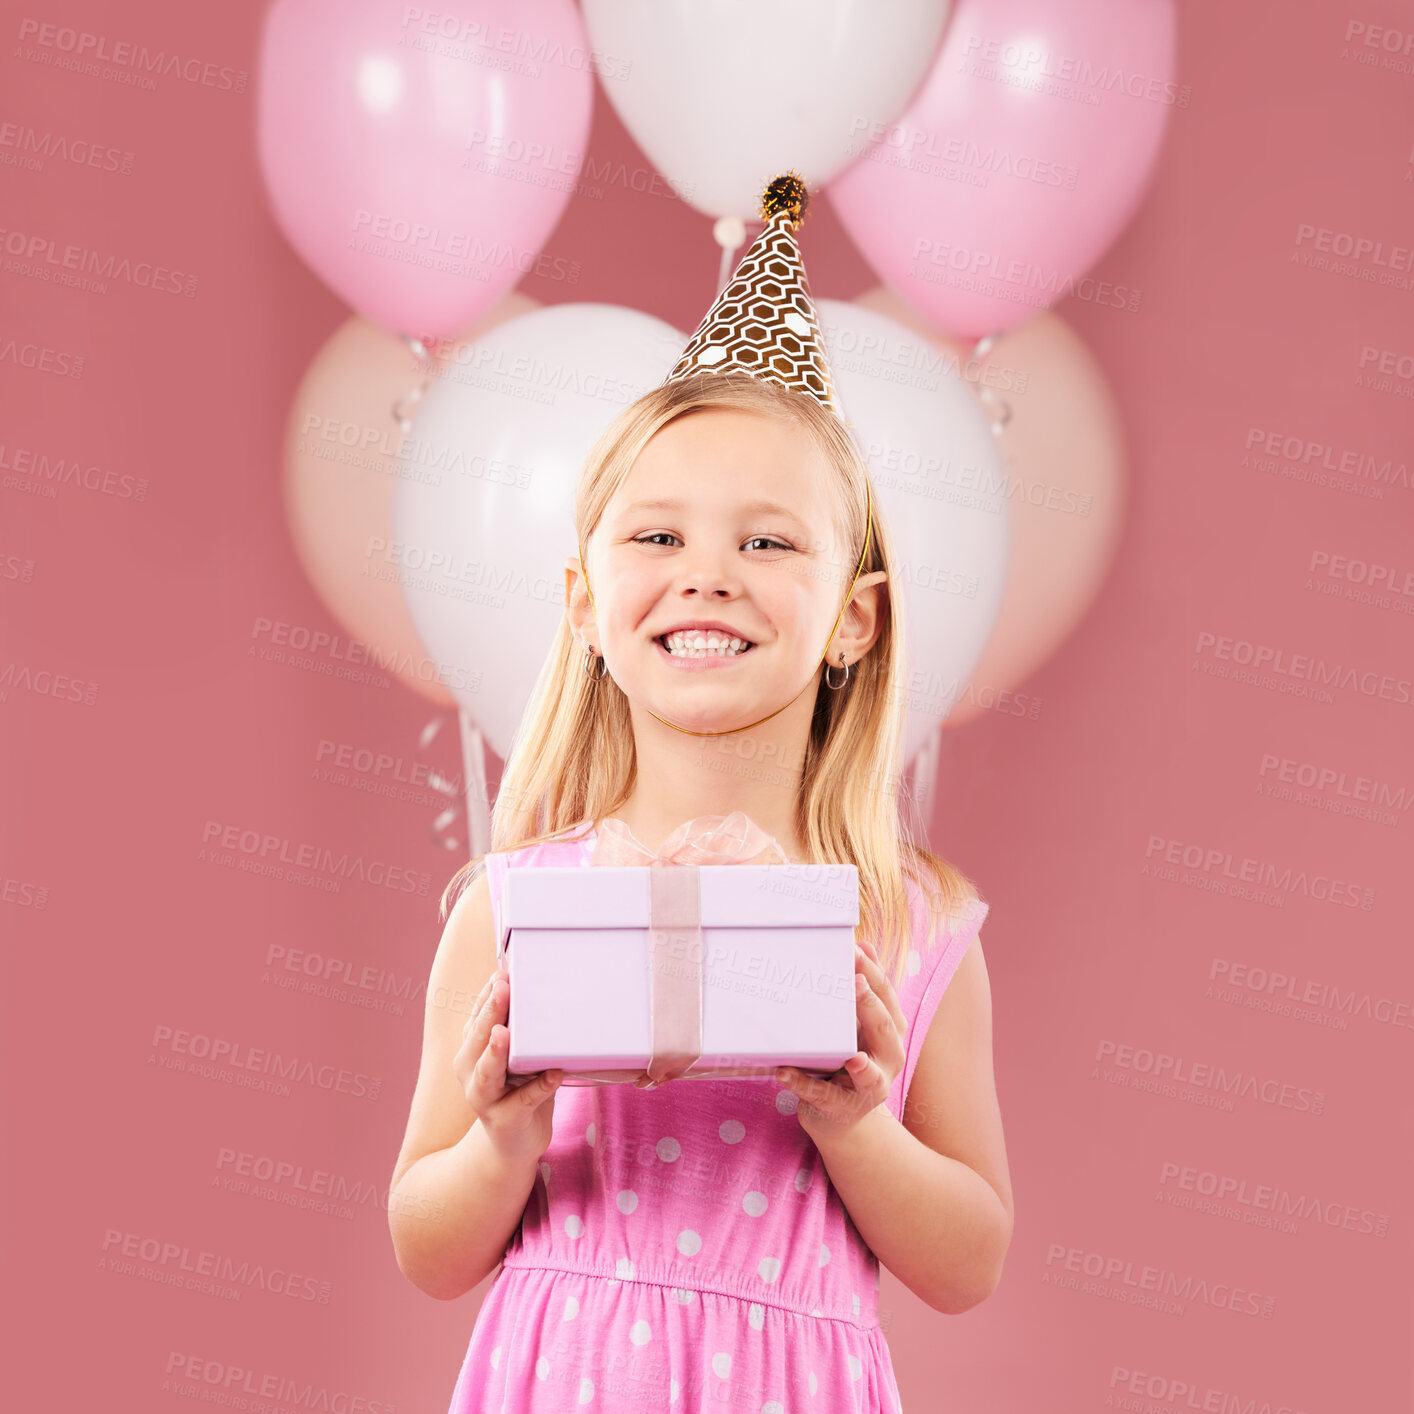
x,y
863,618
577,606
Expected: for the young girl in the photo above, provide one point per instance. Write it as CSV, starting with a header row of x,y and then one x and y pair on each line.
x,y
713,1243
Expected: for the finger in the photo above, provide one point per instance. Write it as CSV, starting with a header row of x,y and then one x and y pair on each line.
x,y
477,1004
489,1075
871,1083
879,981
493,1007
527,1093
878,1033
820,1092
535,1092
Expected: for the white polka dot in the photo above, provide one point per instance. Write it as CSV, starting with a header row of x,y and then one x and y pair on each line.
x,y
721,1364
803,1179
710,354
685,1295
542,1368
640,1333
773,1406
855,1368
755,1203
813,1382
733,1131
769,1267
824,1254
787,1101
755,1316
586,1389
673,1391
589,1136
623,1269
668,1150
795,323
627,1201
545,1173
854,1298
571,1308
689,1243
816,1311
912,962
574,1225
496,1358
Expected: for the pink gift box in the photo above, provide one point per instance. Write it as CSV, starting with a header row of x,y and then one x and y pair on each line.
x,y
774,952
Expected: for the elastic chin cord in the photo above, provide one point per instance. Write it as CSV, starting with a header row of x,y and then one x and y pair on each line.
x,y
731,731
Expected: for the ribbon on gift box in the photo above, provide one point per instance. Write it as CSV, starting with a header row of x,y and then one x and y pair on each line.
x,y
675,933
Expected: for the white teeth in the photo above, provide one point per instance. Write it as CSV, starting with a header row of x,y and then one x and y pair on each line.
x,y
702,643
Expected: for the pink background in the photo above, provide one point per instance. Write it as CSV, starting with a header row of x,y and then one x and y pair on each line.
x,y
115,928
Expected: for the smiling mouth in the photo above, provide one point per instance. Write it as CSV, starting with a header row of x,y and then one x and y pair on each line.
x,y
697,643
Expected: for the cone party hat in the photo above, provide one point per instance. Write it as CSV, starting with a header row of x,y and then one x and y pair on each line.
x,y
764,321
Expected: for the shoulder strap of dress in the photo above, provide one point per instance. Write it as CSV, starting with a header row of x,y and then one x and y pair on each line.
x,y
922,992
495,879
550,853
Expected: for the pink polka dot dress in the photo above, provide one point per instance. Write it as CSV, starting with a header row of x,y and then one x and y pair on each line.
x,y
683,1248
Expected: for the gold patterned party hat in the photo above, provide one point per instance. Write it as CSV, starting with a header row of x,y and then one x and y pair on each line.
x,y
764,322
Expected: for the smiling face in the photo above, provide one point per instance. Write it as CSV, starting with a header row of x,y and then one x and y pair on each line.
x,y
743,535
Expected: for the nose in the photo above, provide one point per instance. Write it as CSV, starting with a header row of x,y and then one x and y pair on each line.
x,y
709,576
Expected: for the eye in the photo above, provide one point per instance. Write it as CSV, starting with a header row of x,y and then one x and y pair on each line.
x,y
656,537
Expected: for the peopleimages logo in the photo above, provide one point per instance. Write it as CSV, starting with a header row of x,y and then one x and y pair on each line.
x,y
1167,1073
1266,1204
175,1261
42,256
1118,1278
1245,870
253,1067
122,60
217,1382
1292,993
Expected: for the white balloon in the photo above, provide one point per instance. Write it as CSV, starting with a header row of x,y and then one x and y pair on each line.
x,y
940,482
484,511
723,96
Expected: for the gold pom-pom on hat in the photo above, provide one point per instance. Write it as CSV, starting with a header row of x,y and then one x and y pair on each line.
x,y
764,321
786,193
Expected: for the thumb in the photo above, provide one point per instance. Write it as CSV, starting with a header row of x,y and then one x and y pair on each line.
x,y
544,1085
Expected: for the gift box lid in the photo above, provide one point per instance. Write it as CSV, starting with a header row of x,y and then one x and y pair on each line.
x,y
732,895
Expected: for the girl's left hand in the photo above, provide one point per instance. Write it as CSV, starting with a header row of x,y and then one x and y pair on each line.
x,y
830,1106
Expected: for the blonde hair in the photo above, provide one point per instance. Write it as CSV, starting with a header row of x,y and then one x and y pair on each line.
x,y
572,761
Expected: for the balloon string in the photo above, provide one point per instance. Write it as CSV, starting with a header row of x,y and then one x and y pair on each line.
x,y
1001,409
446,817
402,409
724,269
730,233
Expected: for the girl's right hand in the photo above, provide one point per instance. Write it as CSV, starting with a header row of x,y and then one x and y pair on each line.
x,y
518,1118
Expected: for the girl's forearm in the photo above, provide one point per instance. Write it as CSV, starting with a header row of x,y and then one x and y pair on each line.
x,y
936,1224
453,1212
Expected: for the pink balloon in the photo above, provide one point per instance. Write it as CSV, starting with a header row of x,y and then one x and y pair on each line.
x,y
418,158
1019,161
